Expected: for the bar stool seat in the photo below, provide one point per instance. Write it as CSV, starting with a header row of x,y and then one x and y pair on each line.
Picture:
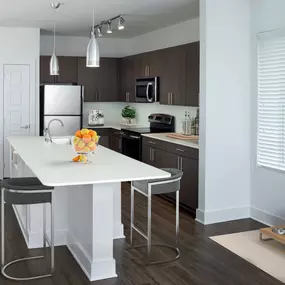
x,y
26,191
154,187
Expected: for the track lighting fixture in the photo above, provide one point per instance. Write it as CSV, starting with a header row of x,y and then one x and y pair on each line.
x,y
99,31
121,22
109,29
108,23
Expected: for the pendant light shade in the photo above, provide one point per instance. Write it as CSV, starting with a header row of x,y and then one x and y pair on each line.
x,y
53,65
92,57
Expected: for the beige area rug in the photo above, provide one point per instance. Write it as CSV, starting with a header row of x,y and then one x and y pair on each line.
x,y
269,256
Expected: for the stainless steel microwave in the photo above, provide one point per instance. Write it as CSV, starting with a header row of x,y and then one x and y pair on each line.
x,y
147,90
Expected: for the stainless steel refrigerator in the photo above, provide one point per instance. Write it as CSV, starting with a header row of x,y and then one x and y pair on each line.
x,y
63,102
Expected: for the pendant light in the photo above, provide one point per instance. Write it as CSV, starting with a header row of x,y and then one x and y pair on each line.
x,y
92,56
53,65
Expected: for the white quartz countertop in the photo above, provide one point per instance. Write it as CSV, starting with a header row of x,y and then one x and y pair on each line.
x,y
164,137
107,126
53,164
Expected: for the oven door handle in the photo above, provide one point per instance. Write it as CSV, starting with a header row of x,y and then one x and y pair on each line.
x,y
130,136
147,92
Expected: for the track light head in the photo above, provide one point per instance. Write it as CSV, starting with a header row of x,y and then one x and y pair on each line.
x,y
109,28
121,22
99,31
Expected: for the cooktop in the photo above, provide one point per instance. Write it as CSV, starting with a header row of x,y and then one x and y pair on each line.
x,y
138,130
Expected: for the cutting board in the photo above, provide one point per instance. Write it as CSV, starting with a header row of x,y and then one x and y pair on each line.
x,y
182,137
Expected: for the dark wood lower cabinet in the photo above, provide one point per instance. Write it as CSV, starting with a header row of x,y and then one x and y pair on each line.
x,y
116,141
163,158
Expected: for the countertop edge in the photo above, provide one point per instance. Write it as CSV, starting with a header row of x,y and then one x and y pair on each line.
x,y
158,136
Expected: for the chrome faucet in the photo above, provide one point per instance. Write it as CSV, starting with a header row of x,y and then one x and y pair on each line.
x,y
47,133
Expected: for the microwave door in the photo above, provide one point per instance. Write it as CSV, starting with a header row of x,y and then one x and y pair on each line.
x,y
149,92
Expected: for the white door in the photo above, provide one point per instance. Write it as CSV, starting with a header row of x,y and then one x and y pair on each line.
x,y
16,105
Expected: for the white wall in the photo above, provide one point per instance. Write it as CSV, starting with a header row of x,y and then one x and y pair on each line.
x,y
21,46
224,188
267,186
179,34
112,112
76,46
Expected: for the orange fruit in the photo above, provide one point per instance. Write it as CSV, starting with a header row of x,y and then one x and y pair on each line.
x,y
84,132
92,133
78,134
86,149
76,158
81,144
91,144
77,148
86,138
93,147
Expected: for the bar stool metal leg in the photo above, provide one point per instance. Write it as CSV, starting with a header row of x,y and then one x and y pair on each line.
x,y
149,223
3,266
52,232
132,213
177,217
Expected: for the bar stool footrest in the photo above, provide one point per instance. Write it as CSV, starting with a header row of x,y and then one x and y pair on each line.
x,y
19,278
175,249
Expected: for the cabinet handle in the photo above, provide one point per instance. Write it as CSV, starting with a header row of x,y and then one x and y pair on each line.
x,y
151,142
153,155
171,98
168,100
150,154
127,96
179,149
178,162
181,163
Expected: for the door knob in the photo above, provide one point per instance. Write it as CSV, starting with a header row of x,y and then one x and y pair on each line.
x,y
25,127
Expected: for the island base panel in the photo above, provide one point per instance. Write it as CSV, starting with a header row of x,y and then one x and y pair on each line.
x,y
90,229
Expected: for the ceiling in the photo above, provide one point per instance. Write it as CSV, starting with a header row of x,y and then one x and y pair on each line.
x,y
74,17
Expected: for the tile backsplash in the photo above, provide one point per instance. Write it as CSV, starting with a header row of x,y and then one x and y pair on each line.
x,y
112,112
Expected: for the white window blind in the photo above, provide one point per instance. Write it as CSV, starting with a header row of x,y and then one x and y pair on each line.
x,y
271,103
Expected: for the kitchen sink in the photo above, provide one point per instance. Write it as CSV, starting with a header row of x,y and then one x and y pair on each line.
x,y
61,140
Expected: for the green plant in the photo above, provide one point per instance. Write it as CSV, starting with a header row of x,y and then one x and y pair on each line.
x,y
129,112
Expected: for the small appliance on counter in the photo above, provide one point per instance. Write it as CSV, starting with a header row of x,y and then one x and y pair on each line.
x,y
132,137
95,118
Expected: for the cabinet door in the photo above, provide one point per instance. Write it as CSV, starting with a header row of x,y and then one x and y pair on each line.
x,y
189,183
107,80
147,153
116,141
68,69
45,77
173,76
87,78
127,79
192,74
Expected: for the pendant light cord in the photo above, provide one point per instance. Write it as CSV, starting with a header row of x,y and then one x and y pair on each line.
x,y
54,38
93,18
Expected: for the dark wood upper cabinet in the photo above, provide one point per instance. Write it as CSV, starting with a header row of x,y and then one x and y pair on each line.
x,y
127,79
68,69
172,75
107,80
86,77
45,77
192,74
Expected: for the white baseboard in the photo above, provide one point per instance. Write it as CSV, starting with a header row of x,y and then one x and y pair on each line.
x,y
265,217
94,269
222,215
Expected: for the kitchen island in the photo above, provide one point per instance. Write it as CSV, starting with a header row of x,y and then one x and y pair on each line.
x,y
87,198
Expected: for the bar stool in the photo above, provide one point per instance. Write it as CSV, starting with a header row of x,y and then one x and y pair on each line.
x,y
154,187
26,191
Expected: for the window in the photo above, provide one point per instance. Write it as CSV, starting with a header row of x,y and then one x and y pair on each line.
x,y
271,103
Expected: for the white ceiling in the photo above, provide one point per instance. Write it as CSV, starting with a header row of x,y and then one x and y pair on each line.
x,y
74,18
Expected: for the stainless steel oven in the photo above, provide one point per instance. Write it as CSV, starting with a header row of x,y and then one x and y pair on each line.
x,y
147,90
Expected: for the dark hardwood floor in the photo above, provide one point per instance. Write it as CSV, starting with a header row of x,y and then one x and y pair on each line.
x,y
202,260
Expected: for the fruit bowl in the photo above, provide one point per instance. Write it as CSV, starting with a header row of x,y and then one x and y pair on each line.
x,y
84,142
